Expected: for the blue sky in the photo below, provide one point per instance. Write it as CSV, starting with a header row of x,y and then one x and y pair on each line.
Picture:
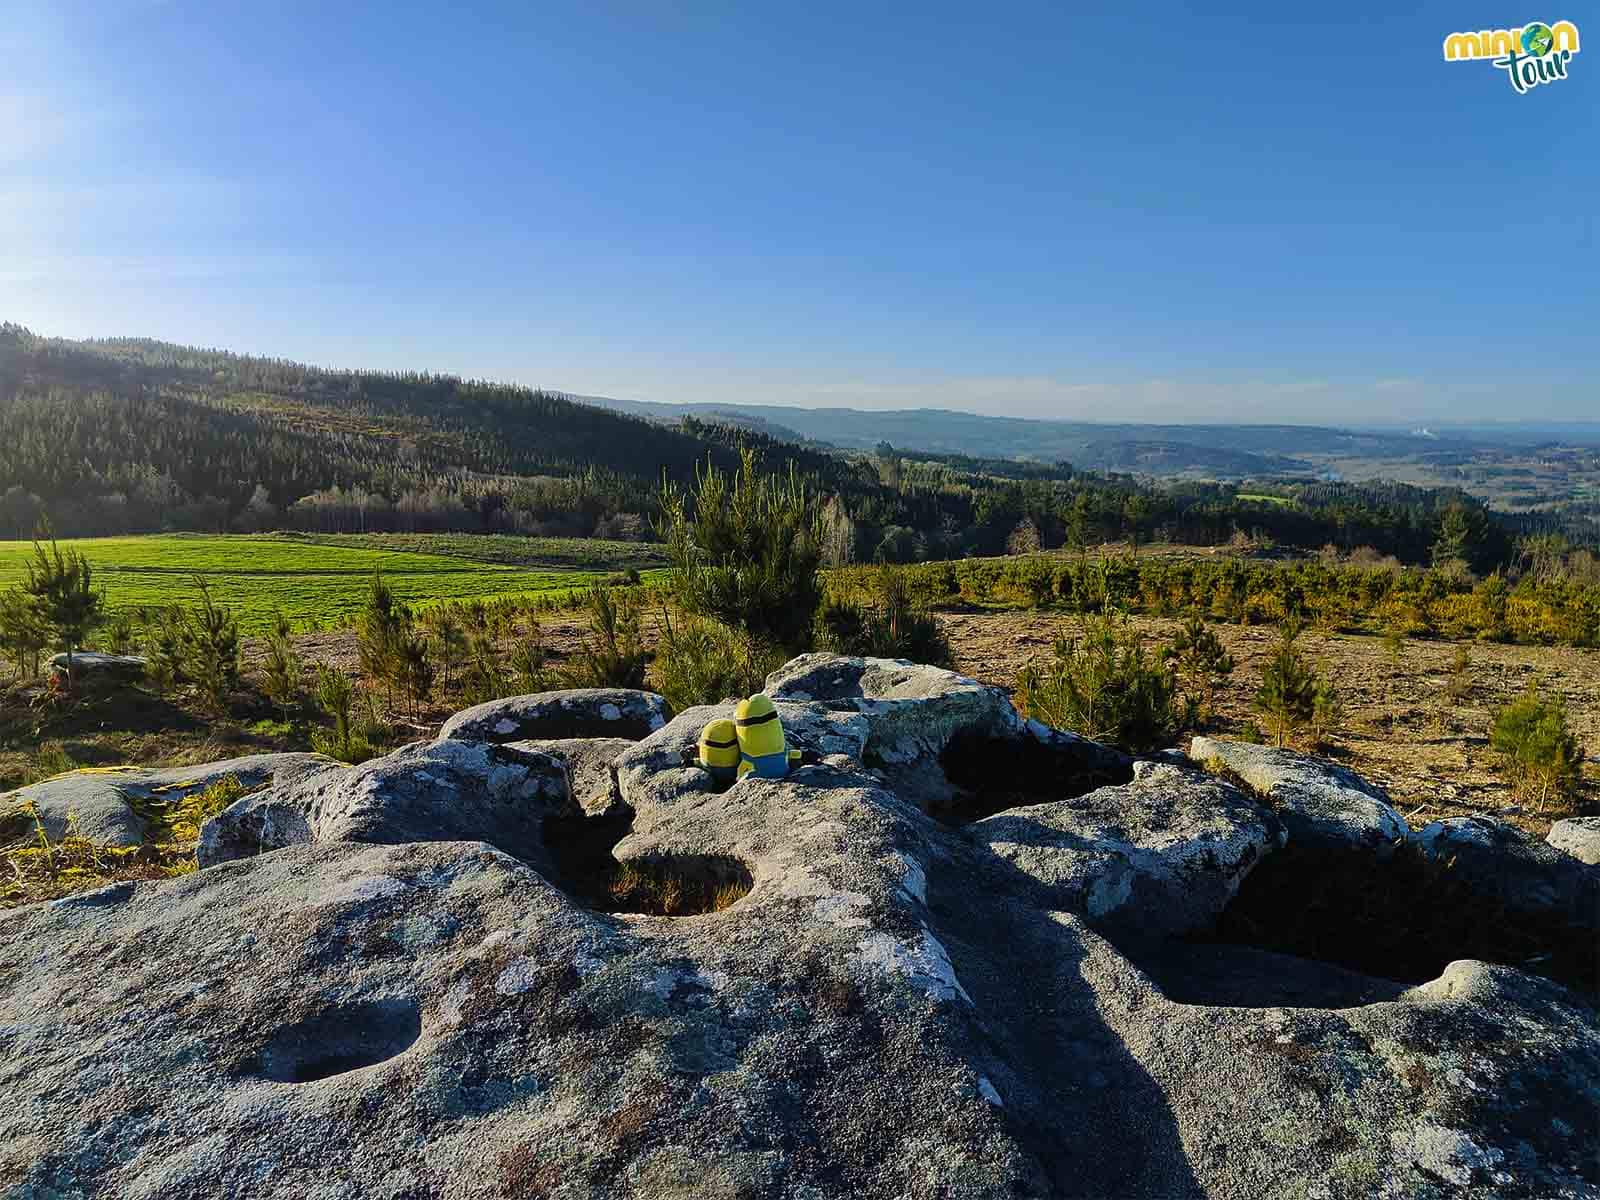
x,y
1111,213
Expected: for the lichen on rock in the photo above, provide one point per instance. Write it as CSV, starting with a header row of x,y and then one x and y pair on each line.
x,y
387,975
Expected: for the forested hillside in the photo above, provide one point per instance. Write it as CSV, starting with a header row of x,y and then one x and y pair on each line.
x,y
131,436
125,435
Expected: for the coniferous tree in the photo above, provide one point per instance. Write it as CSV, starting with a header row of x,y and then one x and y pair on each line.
x,y
1287,696
211,649
24,632
1201,661
1103,684
381,631
612,655
61,585
282,667
745,550
1539,754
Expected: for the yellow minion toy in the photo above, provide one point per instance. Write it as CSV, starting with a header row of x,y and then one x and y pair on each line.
x,y
762,748
719,750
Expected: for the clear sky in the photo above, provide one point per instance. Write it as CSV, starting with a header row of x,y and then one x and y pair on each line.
x,y
1267,212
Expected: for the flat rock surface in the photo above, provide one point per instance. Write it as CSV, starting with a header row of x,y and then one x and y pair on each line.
x,y
1161,855
657,774
912,711
897,1008
1579,837
574,713
590,766
1323,806
97,799
427,791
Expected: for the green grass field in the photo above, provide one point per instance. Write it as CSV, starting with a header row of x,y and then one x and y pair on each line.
x,y
315,581
1260,499
593,554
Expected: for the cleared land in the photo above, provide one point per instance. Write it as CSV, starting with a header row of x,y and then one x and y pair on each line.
x,y
321,581
1402,727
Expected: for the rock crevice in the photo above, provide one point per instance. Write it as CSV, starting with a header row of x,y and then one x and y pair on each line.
x,y
388,970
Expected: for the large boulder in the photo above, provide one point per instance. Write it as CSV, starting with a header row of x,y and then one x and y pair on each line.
x,y
1160,856
1323,806
658,773
1498,862
575,713
424,792
108,805
864,1003
894,1009
94,670
912,711
948,743
591,768
1577,836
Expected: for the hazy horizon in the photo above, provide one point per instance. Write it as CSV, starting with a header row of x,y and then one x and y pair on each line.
x,y
1158,217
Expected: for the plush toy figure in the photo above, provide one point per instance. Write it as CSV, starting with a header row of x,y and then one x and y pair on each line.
x,y
719,750
763,751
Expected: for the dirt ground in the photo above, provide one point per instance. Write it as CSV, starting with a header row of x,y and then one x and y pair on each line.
x,y
1434,758
1402,729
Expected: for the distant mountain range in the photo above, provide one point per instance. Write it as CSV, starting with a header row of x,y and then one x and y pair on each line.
x,y
1168,450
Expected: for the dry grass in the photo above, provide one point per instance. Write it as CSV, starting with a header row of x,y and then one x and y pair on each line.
x,y
41,869
661,891
35,868
1420,730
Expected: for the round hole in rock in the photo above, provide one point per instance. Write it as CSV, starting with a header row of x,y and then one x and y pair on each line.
x,y
679,885
1337,930
682,885
988,775
344,1038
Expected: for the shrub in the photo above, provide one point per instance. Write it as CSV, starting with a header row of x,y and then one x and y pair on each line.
x,y
529,661
24,632
700,661
1540,757
281,669
1102,684
745,550
1287,696
1327,708
164,639
181,821
449,643
845,627
896,626
211,649
61,586
1201,662
336,695
119,633
391,649
612,655
413,670
483,677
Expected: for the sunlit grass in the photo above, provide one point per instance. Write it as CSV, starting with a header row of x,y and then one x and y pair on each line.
x,y
311,580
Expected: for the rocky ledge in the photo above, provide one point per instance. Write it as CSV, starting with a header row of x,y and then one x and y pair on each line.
x,y
952,955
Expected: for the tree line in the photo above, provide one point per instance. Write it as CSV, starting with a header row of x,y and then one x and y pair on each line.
x,y
130,436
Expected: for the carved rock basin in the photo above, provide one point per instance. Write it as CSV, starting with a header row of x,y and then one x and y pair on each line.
x,y
899,1006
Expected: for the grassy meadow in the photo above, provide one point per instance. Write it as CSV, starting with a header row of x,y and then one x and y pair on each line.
x,y
322,580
